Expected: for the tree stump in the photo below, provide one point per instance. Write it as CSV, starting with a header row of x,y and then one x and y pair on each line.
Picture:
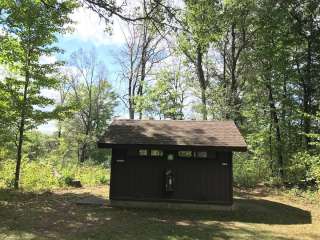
x,y
76,183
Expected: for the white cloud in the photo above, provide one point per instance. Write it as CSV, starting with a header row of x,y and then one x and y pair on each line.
x,y
48,128
47,59
89,27
51,93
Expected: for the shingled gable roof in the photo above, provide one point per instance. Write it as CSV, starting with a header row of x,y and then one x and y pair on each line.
x,y
218,134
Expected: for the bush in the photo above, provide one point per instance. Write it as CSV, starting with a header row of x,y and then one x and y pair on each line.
x,y
68,180
89,175
7,169
43,175
34,175
303,170
249,171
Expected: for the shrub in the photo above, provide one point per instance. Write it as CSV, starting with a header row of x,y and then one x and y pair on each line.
x,y
249,171
303,169
7,169
38,176
68,180
104,179
42,175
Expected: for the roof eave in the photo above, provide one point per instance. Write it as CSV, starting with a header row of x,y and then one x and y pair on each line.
x,y
227,148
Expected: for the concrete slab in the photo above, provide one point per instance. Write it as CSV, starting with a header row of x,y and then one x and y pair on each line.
x,y
93,201
169,205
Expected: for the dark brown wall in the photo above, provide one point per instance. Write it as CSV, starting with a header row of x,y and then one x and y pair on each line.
x,y
197,180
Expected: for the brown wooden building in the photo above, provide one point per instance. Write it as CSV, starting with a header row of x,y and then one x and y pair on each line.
x,y
172,160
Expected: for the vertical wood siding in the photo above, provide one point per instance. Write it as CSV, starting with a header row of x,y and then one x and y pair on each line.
x,y
198,180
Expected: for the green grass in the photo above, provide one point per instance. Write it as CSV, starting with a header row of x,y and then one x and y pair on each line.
x,y
53,215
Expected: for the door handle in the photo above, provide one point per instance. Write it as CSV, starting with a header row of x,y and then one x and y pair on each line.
x,y
224,164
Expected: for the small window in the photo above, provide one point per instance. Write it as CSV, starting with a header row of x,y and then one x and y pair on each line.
x,y
185,154
156,153
201,154
170,157
143,152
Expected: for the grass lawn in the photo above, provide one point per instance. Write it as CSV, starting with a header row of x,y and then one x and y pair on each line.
x,y
53,215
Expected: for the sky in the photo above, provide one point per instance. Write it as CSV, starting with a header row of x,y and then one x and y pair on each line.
x,y
89,32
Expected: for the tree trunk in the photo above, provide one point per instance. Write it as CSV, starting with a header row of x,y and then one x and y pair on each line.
x,y
21,132
204,104
131,100
131,112
233,71
78,152
59,130
203,83
270,148
19,153
307,98
275,120
143,74
83,153
226,113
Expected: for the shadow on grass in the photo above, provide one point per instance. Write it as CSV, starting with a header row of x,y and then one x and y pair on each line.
x,y
56,216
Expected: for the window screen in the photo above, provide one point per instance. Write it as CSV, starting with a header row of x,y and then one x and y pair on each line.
x,y
143,152
170,157
156,153
185,154
201,154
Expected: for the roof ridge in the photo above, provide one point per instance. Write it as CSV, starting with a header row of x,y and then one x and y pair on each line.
x,y
171,120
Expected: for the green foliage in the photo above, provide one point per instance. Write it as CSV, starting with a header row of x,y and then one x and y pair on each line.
x,y
200,20
29,29
166,97
255,62
315,135
90,175
50,176
43,179
303,168
93,102
249,171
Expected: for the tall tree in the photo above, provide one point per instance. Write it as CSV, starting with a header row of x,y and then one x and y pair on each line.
x,y
167,97
143,50
199,29
271,51
30,28
237,32
63,88
304,26
130,63
92,98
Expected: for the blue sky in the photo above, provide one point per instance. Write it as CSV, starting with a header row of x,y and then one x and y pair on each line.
x,y
89,32
105,53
